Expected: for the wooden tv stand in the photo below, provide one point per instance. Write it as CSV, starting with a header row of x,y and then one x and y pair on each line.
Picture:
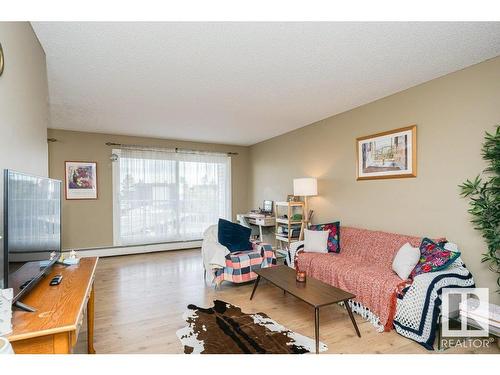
x,y
53,328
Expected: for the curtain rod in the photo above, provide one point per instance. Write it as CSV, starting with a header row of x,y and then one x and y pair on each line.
x,y
175,149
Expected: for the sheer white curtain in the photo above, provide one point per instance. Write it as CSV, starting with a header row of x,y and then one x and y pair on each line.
x,y
165,196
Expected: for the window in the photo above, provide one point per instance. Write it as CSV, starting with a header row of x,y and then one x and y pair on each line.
x,y
166,196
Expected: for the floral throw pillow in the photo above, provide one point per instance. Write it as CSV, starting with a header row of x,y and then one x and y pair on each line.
x,y
433,258
333,244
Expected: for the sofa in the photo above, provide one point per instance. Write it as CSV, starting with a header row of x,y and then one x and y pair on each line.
x,y
363,267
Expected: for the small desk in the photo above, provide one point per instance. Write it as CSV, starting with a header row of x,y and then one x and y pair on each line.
x,y
260,221
53,328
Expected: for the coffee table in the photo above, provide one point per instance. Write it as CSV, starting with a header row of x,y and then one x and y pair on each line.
x,y
313,292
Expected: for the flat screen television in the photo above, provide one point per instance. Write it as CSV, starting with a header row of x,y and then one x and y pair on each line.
x,y
32,229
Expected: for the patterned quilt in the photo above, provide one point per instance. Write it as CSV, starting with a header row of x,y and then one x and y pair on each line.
x,y
240,265
418,304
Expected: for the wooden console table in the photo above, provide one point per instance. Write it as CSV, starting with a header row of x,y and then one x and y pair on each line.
x,y
53,328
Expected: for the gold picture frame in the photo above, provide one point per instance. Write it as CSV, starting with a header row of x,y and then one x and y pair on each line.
x,y
389,154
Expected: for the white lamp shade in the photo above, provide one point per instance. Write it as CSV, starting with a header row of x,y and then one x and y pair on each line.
x,y
305,187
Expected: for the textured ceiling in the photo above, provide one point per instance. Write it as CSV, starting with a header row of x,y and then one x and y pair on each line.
x,y
241,83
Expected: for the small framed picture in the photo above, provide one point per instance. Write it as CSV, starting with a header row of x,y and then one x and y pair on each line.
x,y
81,179
292,198
391,154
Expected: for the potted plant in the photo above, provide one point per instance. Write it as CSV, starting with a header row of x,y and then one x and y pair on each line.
x,y
484,195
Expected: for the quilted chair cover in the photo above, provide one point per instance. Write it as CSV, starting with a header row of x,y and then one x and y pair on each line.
x,y
236,267
241,265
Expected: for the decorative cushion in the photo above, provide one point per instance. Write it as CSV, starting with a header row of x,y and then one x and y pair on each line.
x,y
433,258
333,237
234,236
405,260
315,241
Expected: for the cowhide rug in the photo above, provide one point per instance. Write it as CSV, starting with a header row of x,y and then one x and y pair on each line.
x,y
225,329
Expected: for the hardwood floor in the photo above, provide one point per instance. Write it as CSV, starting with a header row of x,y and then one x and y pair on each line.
x,y
140,299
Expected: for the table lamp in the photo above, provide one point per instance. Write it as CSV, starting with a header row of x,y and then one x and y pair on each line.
x,y
305,187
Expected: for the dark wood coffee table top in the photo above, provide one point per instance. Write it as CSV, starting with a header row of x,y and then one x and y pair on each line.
x,y
313,292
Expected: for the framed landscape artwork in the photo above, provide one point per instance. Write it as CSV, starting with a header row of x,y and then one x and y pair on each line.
x,y
81,180
391,154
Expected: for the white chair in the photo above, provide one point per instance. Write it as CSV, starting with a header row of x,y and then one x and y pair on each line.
x,y
212,252
243,220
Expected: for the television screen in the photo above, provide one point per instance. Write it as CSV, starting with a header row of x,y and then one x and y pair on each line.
x,y
32,228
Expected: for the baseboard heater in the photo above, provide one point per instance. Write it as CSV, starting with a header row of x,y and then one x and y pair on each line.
x,y
108,251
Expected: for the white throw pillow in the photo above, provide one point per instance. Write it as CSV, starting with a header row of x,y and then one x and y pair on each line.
x,y
405,260
315,241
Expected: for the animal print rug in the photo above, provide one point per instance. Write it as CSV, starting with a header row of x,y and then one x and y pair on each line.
x,y
225,329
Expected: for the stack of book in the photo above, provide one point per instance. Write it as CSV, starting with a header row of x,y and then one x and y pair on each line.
x,y
295,231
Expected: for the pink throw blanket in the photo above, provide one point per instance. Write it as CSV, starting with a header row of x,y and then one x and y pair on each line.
x,y
363,267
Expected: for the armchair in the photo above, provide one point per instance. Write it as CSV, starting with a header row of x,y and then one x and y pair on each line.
x,y
237,267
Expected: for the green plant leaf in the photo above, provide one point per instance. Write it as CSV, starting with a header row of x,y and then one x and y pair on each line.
x,y
484,200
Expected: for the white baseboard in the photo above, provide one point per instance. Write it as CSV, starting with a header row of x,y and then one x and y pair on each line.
x,y
136,249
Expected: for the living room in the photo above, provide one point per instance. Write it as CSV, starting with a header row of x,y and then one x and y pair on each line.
x,y
249,187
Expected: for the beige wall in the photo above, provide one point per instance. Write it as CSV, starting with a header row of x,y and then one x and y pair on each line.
x,y
23,100
90,223
452,113
23,105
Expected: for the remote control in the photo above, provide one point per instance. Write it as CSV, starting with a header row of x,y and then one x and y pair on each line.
x,y
25,284
56,280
